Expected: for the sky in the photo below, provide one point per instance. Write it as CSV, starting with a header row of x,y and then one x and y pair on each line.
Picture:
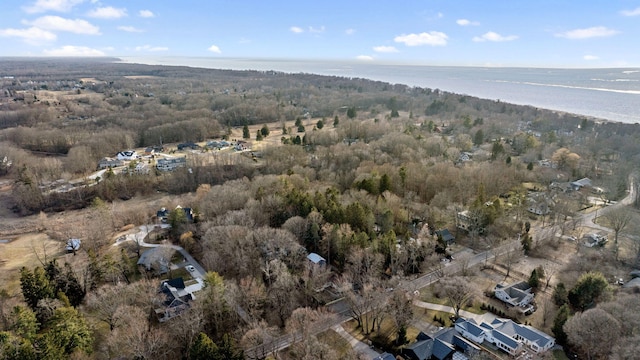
x,y
540,33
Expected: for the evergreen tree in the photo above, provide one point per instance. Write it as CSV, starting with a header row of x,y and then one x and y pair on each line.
x,y
245,132
259,136
336,121
560,294
534,279
478,138
351,112
320,124
590,288
265,130
558,325
384,184
35,286
203,348
69,331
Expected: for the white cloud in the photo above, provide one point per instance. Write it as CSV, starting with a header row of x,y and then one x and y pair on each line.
x,y
385,49
151,48
350,31
590,57
146,14
130,29
316,30
214,49
466,22
592,32
51,5
70,50
364,58
433,38
108,12
32,35
495,37
296,29
57,23
634,12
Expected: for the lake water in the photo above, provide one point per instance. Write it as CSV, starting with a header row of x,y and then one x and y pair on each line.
x,y
611,94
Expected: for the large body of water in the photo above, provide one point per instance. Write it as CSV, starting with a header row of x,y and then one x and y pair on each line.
x,y
610,94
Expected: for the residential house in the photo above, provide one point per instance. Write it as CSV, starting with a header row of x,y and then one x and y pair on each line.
x,y
316,259
127,155
446,236
154,260
443,345
464,220
141,168
384,356
503,341
470,330
242,146
591,240
580,184
518,294
108,162
163,214
170,164
509,335
539,203
176,299
188,145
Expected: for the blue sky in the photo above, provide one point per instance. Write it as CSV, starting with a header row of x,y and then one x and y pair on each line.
x,y
541,33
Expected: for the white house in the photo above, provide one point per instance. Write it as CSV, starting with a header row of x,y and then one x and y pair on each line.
x,y
518,294
505,334
470,330
503,341
127,155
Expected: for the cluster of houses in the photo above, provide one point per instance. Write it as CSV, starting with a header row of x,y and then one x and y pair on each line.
x,y
124,158
463,340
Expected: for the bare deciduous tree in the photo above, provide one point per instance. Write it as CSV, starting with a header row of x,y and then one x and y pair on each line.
x,y
594,332
618,219
457,291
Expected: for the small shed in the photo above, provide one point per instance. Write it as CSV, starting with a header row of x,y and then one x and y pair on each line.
x,y
316,259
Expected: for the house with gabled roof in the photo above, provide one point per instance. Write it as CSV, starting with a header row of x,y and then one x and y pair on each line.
x,y
108,162
507,335
518,294
443,345
170,164
127,155
470,330
446,236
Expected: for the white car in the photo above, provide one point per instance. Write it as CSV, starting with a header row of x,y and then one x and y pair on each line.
x,y
190,268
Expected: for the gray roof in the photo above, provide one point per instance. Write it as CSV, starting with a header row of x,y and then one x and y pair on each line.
x,y
471,326
505,339
442,349
420,350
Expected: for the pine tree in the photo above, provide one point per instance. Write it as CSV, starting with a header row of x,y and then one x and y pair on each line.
x,y
245,132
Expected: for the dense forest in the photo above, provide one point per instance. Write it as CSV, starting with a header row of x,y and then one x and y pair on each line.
x,y
359,172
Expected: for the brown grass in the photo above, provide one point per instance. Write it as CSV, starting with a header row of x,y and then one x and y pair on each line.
x,y
25,250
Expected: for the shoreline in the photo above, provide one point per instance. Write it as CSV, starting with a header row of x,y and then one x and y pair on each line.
x,y
340,72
